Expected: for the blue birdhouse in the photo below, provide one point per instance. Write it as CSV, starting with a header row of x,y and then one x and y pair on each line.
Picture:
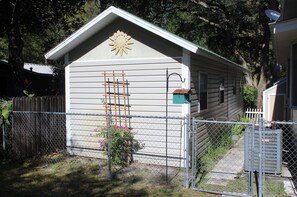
x,y
181,96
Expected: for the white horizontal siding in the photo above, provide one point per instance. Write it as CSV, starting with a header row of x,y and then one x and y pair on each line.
x,y
147,89
146,83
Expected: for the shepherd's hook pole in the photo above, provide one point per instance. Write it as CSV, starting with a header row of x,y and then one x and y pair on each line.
x,y
167,88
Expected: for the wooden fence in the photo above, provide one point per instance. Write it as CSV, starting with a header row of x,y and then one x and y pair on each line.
x,y
34,132
39,104
253,115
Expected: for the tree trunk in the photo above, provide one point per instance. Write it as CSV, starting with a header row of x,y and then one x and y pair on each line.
x,y
262,84
15,45
266,70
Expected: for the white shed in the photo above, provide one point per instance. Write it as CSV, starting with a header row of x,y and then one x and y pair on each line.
x,y
117,41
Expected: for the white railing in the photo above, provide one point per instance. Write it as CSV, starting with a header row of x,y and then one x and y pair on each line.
x,y
253,114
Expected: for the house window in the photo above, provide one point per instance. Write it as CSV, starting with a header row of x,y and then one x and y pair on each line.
x,y
203,91
222,90
234,87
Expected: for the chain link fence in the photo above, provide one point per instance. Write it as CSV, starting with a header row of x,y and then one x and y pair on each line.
x,y
151,149
280,155
219,157
244,159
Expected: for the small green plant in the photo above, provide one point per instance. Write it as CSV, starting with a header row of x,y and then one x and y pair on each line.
x,y
249,96
28,94
5,123
237,129
26,91
5,107
123,144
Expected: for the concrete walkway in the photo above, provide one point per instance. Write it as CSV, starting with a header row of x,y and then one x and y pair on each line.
x,y
229,167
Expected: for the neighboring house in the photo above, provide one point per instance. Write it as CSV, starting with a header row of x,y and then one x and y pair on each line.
x,y
39,79
285,45
118,41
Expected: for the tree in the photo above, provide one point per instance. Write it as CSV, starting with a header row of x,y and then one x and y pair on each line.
x,y
240,30
20,18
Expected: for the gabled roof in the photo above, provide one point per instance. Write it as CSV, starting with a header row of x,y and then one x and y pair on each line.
x,y
107,17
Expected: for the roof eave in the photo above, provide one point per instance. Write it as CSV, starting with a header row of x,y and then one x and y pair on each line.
x,y
211,55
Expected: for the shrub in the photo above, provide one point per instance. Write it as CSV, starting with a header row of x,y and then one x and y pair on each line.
x,y
5,109
249,96
123,144
238,129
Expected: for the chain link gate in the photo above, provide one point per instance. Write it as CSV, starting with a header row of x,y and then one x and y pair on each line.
x,y
223,157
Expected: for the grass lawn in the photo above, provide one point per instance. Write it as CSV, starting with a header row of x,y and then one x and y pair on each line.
x,y
81,177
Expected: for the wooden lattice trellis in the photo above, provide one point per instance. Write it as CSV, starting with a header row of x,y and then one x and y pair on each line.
x,y
117,98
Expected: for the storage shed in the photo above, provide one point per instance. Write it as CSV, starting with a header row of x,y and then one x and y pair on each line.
x,y
274,101
138,53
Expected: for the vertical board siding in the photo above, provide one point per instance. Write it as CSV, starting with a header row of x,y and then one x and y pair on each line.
x,y
34,133
147,90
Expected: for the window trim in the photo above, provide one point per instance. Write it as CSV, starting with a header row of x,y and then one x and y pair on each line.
x,y
234,90
204,91
222,90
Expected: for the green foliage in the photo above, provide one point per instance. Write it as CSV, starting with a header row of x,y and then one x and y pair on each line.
x,y
237,129
249,97
33,48
122,142
5,107
23,27
28,94
274,188
3,48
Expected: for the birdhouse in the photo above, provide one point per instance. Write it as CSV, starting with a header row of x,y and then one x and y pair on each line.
x,y
181,96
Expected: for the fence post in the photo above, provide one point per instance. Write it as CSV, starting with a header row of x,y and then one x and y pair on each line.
x,y
261,157
3,135
187,145
193,153
251,148
109,146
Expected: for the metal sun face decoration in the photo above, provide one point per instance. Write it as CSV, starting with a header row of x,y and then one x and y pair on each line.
x,y
120,42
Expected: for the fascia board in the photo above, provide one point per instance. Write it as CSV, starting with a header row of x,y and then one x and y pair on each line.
x,y
285,26
158,31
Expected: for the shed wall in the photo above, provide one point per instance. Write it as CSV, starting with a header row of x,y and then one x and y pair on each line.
x,y
230,109
232,106
147,90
